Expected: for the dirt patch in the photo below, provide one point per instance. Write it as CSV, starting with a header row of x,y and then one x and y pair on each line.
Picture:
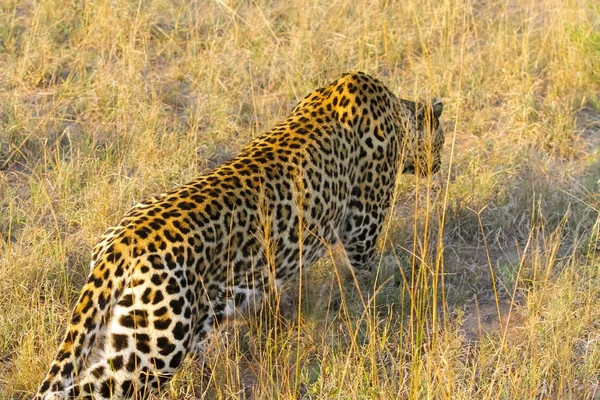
x,y
588,121
488,317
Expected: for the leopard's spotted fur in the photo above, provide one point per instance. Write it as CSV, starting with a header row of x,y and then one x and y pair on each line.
x,y
181,262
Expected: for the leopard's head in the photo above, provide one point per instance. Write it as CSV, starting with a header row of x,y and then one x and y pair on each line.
x,y
423,137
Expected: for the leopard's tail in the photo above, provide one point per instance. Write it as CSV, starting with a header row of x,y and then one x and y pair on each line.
x,y
112,264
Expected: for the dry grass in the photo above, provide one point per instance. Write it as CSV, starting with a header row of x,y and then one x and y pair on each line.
x,y
488,288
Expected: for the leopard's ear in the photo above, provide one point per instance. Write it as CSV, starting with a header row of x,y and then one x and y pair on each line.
x,y
437,106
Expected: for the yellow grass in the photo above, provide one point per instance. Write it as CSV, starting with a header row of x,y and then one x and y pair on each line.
x,y
489,281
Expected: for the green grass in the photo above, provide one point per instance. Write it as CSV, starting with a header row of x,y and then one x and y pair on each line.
x,y
489,282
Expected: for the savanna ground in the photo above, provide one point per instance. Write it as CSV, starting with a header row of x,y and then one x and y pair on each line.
x,y
489,280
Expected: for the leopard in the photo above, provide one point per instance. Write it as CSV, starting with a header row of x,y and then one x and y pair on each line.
x,y
180,264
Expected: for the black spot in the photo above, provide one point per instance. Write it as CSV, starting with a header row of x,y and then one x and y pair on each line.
x,y
176,360
158,297
133,362
137,282
107,388
156,261
116,363
160,312
156,279
119,270
103,300
135,318
165,346
127,321
76,319
126,301
98,372
119,341
239,299
89,323
58,387
157,362
78,348
146,296
74,392
89,388
173,237
142,233
162,324
197,198
176,306
97,281
45,386
180,227
142,346
54,370
67,369
127,388
71,337
172,286
180,330
63,355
